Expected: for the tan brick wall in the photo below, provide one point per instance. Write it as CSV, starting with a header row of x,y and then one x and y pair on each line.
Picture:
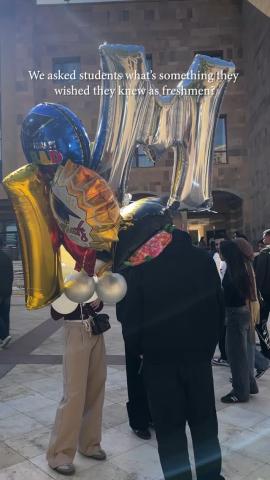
x,y
171,30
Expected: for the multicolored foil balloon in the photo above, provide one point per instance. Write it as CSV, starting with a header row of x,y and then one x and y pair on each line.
x,y
84,257
184,121
84,207
52,134
41,263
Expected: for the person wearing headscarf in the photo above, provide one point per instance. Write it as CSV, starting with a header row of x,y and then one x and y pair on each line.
x,y
174,312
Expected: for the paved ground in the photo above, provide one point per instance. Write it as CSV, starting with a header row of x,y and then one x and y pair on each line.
x,y
30,388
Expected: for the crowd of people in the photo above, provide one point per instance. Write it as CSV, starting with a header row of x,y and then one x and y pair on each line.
x,y
176,310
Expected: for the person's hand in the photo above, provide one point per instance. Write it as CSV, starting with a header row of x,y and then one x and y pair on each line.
x,y
95,304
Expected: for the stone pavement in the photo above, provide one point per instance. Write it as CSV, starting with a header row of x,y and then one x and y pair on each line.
x,y
31,386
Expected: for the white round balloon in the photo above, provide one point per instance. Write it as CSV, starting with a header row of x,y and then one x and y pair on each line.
x,y
94,296
63,305
79,287
111,288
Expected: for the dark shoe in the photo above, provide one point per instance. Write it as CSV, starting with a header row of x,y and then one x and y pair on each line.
x,y
260,373
97,455
144,434
231,398
4,343
67,469
220,361
254,390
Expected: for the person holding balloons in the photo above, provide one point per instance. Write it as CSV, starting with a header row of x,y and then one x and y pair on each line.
x,y
78,419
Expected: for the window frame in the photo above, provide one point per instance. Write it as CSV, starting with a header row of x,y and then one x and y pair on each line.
x,y
66,60
149,61
136,159
210,53
222,116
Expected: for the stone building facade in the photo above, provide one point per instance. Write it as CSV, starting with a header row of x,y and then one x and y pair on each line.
x,y
35,36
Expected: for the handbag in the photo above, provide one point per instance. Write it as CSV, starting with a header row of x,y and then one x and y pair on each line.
x,y
254,308
99,322
253,304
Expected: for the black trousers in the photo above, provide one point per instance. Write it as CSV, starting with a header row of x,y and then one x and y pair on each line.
x,y
137,405
222,344
181,394
4,317
262,329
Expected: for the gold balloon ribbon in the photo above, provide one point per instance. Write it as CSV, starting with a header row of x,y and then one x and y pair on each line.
x,y
41,264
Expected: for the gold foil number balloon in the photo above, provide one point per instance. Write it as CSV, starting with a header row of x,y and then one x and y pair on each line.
x,y
41,264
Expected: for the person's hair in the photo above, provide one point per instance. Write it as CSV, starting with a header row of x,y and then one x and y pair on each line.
x,y
236,267
245,247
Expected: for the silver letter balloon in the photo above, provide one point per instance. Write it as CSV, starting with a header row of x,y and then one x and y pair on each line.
x,y
184,122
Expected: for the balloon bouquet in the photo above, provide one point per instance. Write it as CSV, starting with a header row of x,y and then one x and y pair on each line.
x,y
68,201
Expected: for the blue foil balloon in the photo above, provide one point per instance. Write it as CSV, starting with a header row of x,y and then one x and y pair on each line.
x,y
52,134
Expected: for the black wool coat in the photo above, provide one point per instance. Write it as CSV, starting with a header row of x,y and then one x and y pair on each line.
x,y
174,307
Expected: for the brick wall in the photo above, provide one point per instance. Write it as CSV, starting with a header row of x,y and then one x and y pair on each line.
x,y
171,30
257,65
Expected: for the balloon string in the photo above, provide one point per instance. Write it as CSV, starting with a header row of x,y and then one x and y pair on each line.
x,y
85,322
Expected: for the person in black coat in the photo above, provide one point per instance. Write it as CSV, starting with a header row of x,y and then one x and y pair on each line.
x,y
137,406
6,281
174,312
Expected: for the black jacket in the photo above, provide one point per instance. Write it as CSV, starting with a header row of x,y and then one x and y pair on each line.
x,y
174,306
262,272
6,275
